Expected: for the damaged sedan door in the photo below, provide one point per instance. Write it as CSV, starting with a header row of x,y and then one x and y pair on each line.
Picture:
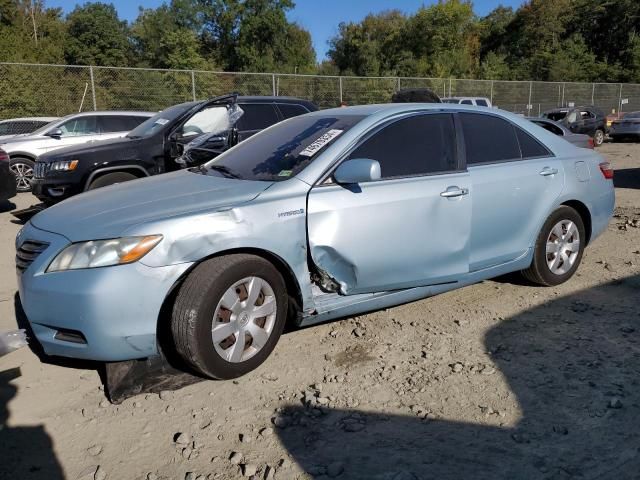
x,y
406,229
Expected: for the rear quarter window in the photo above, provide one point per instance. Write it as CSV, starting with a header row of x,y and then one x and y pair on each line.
x,y
289,110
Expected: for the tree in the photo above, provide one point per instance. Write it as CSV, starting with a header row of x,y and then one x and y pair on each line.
x,y
96,36
255,35
168,37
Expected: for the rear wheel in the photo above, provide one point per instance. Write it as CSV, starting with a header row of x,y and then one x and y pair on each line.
x,y
558,249
229,314
22,168
598,137
111,179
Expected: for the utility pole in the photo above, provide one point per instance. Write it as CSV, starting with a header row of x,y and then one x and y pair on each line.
x,y
33,20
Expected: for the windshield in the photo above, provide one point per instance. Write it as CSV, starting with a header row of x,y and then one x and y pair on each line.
x,y
284,150
159,120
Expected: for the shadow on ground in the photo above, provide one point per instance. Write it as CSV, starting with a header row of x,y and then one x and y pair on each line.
x,y
25,452
627,178
573,365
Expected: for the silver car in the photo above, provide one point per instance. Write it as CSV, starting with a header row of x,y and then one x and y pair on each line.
x,y
322,216
70,130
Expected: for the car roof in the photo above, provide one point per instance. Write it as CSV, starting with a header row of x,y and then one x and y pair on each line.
x,y
30,119
133,113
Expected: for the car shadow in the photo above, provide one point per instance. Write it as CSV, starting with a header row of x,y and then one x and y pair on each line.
x,y
572,365
627,178
25,452
6,206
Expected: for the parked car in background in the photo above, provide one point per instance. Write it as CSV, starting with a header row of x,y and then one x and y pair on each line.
x,y
627,128
589,120
578,139
477,101
412,95
152,148
7,178
612,117
321,216
75,129
22,126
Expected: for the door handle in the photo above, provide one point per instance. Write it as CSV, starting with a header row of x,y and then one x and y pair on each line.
x,y
451,192
546,171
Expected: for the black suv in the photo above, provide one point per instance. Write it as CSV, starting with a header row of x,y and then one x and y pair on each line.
x,y
589,120
157,145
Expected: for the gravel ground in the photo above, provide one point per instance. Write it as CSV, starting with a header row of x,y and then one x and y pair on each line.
x,y
500,380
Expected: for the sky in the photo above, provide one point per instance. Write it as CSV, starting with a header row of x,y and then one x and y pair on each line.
x,y
319,17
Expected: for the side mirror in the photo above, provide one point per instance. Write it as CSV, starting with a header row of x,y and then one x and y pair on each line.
x,y
55,133
359,170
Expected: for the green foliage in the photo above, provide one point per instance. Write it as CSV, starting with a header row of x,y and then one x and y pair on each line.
x,y
563,40
96,36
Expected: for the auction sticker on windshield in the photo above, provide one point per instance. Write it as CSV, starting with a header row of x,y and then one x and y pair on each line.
x,y
162,121
320,142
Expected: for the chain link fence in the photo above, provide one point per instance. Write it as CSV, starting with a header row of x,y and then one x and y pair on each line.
x,y
56,90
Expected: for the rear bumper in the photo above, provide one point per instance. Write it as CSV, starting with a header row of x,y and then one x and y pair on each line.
x,y
602,211
7,186
104,314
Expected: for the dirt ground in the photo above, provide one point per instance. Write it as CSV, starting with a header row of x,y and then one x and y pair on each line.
x,y
500,380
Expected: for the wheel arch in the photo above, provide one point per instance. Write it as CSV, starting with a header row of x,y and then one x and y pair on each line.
x,y
136,170
291,283
585,215
20,154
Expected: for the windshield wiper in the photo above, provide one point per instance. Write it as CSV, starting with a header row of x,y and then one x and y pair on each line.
x,y
226,171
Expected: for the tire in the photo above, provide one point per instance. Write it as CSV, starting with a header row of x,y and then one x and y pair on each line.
x,y
22,168
598,137
111,179
540,271
198,307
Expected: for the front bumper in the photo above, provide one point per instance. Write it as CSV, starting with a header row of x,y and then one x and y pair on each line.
x,y
113,309
54,190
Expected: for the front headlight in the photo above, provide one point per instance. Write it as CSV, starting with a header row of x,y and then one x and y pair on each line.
x,y
64,165
103,253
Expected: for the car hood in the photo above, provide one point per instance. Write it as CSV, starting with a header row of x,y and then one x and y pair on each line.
x,y
110,211
15,141
125,148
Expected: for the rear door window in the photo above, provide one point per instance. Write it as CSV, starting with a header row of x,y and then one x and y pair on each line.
x,y
114,123
289,110
482,103
413,146
466,102
488,139
257,116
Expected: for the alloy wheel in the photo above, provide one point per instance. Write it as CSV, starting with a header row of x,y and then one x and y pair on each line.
x,y
244,319
563,247
24,175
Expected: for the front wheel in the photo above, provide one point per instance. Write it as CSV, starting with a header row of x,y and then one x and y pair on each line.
x,y
598,137
229,314
22,168
111,179
558,249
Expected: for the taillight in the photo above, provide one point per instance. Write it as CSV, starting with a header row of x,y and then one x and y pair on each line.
x,y
607,170
4,157
592,143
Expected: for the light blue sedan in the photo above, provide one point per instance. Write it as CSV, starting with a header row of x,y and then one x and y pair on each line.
x,y
322,216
